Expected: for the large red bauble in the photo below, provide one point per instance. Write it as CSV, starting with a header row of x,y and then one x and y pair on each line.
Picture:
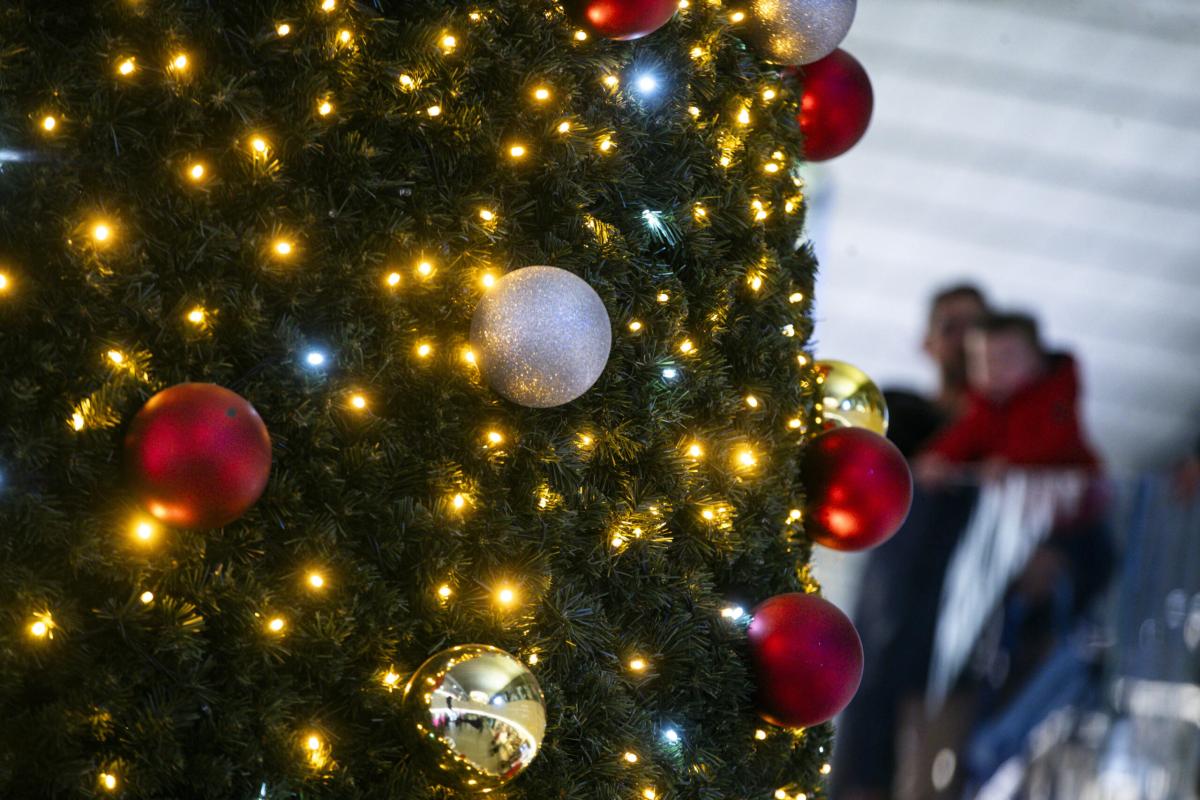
x,y
808,659
197,455
621,19
859,488
835,105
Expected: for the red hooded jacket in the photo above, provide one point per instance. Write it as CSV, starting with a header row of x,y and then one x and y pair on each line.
x,y
1038,426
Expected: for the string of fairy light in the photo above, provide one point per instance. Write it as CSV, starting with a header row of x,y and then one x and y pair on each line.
x,y
102,233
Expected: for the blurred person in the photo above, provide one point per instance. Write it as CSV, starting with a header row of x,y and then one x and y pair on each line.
x,y
896,609
915,418
1022,408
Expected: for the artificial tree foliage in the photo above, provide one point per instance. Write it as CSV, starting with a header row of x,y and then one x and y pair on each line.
x,y
338,180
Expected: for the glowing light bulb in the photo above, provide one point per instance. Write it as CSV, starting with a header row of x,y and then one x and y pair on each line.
x,y
407,81
649,793
506,596
276,625
392,279
283,29
469,356
760,734
424,349
707,514
541,94
612,81
77,421
313,742
126,67
316,580
780,794
826,769
116,357
737,16
314,358
564,127
448,42
795,514
344,36
794,423
357,401
390,678
444,591
699,211
147,597
458,501
585,440
49,122
144,531
40,628
606,144
770,167
686,346
108,781
581,36
487,215
769,95
637,664
671,735
325,108
101,232
328,5
697,52
618,540
425,269
3,282
746,458
795,297
517,151
282,247
488,280
695,450
180,62
663,297
196,171
752,401
259,145
494,437
732,612
533,658
646,83
694,111
635,326
434,110
743,116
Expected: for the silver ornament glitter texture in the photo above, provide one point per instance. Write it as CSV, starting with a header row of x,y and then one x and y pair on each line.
x,y
799,31
482,712
542,336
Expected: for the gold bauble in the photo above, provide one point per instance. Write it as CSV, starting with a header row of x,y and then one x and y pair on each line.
x,y
482,712
849,398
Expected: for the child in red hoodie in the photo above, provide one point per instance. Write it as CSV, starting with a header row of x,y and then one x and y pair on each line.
x,y
1022,410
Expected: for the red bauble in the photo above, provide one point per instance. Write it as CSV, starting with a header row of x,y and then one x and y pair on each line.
x,y
835,106
621,19
807,657
859,488
197,455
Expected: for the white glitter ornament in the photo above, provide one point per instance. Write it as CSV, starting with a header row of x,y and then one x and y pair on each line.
x,y
797,32
541,336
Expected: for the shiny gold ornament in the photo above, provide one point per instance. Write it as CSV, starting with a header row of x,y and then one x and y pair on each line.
x,y
482,712
849,398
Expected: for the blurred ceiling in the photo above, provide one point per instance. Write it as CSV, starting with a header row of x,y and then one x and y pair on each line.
x,y
1048,150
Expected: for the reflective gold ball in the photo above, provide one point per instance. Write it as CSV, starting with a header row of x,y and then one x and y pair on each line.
x,y
849,398
482,712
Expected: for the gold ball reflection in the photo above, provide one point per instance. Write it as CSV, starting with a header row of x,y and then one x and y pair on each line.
x,y
482,711
849,398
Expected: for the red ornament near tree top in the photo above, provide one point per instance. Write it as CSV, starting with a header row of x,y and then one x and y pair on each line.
x,y
807,657
197,455
621,19
835,105
859,489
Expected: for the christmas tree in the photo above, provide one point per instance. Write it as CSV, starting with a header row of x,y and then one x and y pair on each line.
x,y
306,203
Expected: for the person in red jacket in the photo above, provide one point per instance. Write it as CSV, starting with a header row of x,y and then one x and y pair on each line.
x,y
1023,409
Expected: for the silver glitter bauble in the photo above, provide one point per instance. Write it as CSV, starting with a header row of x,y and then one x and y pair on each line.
x,y
482,711
541,336
797,32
